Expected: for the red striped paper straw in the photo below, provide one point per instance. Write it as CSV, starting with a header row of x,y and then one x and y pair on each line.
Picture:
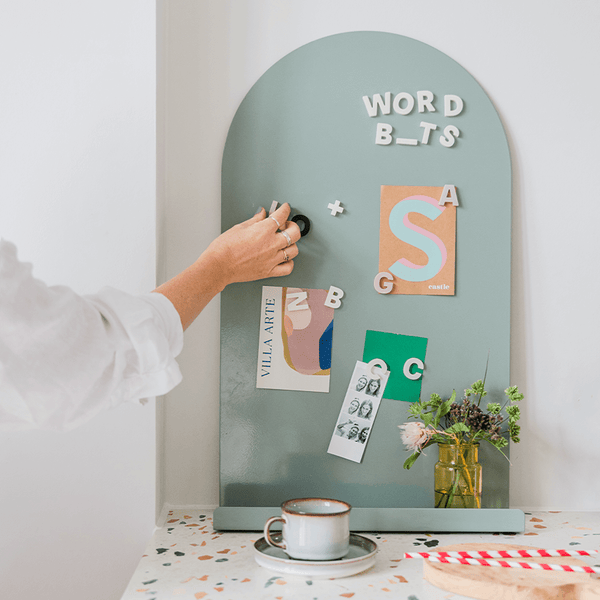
x,y
502,553
508,564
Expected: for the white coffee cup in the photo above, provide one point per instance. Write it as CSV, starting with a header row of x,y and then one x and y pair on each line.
x,y
313,528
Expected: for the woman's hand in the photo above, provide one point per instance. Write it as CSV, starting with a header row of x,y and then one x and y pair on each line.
x,y
257,248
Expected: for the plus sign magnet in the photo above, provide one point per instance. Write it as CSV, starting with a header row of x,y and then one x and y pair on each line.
x,y
335,208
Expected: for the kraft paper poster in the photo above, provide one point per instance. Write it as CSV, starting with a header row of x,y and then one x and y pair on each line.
x,y
296,335
395,349
417,240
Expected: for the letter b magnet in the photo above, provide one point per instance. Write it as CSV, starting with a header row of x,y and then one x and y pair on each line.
x,y
417,240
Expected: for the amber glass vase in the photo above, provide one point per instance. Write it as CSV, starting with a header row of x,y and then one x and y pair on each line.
x,y
458,477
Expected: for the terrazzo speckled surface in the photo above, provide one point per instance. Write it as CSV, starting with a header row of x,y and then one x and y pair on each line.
x,y
187,560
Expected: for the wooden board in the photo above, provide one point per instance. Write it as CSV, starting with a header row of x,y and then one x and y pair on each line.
x,y
497,583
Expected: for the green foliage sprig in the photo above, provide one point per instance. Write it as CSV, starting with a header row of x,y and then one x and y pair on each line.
x,y
450,422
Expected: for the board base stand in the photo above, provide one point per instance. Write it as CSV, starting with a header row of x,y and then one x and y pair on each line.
x,y
433,520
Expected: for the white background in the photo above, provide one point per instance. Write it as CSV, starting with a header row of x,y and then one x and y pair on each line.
x,y
77,196
77,176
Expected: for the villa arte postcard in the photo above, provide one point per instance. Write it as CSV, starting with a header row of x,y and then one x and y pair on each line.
x,y
296,335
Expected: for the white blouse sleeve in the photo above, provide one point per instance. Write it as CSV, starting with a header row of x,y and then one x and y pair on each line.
x,y
64,357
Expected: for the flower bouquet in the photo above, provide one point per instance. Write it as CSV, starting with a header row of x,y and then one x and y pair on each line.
x,y
458,427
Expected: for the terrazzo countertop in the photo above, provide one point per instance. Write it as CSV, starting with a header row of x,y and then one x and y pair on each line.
x,y
187,560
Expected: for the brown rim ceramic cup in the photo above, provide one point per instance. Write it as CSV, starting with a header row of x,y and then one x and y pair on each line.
x,y
313,529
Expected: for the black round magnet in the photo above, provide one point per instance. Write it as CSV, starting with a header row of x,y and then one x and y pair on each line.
x,y
305,221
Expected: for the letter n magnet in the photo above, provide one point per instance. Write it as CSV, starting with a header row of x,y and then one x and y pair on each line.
x,y
417,240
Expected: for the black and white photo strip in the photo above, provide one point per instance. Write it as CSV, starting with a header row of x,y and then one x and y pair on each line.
x,y
358,412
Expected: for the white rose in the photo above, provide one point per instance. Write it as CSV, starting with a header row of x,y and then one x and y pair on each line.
x,y
414,435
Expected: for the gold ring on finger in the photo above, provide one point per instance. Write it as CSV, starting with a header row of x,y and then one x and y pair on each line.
x,y
285,256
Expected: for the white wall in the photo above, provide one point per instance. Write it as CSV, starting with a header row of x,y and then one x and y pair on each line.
x,y
538,61
77,196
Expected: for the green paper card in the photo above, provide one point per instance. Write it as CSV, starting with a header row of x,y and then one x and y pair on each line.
x,y
395,349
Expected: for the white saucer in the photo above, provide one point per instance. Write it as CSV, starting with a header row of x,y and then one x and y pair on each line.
x,y
360,558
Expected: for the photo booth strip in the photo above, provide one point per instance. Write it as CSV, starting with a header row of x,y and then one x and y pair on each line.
x,y
359,409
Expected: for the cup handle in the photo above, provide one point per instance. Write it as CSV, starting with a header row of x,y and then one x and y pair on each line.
x,y
268,533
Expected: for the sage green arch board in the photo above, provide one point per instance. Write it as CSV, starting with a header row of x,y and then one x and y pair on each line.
x,y
302,135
